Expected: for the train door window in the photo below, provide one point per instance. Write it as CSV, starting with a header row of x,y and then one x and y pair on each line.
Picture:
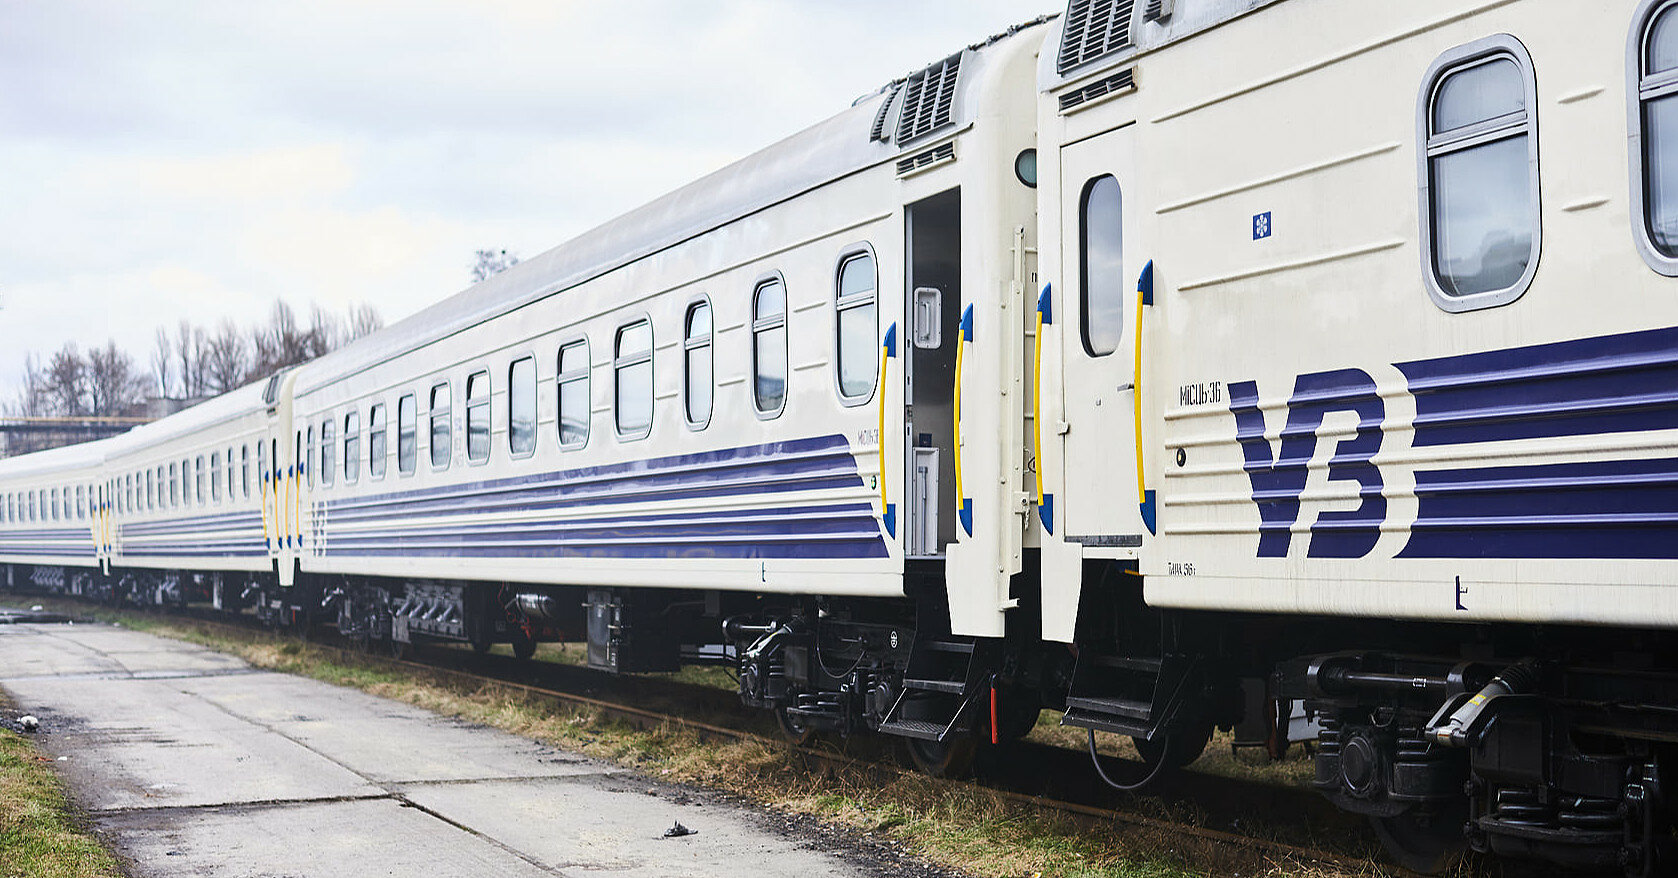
x,y
477,417
441,423
1653,68
1479,175
198,479
632,378
574,415
263,476
1101,265
378,447
858,327
352,447
309,456
698,365
769,347
521,407
215,476
407,434
328,452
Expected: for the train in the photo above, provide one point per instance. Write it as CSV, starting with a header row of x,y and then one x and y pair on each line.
x,y
1122,364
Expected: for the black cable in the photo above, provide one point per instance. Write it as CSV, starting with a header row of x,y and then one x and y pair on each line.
x,y
1164,755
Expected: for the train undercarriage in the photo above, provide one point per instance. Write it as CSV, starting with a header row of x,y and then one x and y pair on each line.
x,y
1547,744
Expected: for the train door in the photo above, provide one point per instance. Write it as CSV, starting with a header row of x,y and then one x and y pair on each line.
x,y
1101,259
933,242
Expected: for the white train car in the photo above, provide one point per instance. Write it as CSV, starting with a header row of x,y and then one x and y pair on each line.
x,y
51,527
1387,316
194,515
693,396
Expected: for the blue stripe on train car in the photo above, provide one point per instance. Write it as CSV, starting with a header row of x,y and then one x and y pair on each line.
x,y
1610,384
1585,387
1608,509
846,530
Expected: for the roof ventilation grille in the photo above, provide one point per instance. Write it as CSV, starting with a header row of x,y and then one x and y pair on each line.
x,y
1124,80
928,100
878,132
936,155
1094,28
1157,10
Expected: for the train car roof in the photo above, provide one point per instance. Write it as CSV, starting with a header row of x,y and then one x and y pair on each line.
x,y
230,405
820,154
82,455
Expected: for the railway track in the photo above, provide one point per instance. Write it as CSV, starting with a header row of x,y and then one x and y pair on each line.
x,y
1021,780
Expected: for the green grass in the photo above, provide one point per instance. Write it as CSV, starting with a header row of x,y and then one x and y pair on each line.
x,y
41,835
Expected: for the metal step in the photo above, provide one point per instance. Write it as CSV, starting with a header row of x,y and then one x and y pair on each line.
x,y
962,646
954,687
1124,708
1148,666
915,728
1106,722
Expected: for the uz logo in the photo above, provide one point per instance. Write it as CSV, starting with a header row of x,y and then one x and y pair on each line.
x,y
1279,480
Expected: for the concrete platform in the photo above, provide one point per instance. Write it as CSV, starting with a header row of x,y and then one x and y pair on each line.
x,y
194,764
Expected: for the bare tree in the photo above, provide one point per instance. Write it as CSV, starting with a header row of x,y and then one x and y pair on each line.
x,y
279,343
32,402
364,320
189,352
162,354
491,263
66,381
326,332
226,357
115,386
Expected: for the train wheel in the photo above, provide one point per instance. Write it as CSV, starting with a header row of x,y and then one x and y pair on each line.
x,y
798,733
1186,746
1423,842
482,647
524,646
949,758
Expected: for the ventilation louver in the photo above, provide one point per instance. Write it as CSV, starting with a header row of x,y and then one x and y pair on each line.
x,y
1157,10
878,132
1120,81
1094,28
928,100
942,153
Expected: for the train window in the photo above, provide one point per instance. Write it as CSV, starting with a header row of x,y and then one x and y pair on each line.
x,y
33,507
477,417
11,508
632,371
1653,68
228,461
328,449
198,480
378,449
698,365
352,447
309,456
81,502
245,471
858,327
574,415
521,407
174,486
442,414
1479,175
215,476
407,434
54,506
263,475
1101,265
769,347
151,492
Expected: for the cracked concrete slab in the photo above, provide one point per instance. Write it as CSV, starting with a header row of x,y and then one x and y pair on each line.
x,y
194,764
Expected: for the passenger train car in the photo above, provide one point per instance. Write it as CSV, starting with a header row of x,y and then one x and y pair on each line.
x,y
1174,365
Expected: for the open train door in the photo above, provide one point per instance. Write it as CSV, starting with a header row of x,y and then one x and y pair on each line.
x,y
1103,505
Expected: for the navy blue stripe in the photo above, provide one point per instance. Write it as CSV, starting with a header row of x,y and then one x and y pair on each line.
x,y
1612,509
1609,384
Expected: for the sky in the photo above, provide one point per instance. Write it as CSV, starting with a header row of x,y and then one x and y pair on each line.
x,y
172,159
